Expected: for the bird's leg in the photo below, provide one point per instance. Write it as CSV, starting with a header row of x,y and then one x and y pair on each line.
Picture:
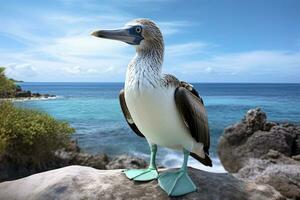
x,y
177,183
145,174
153,149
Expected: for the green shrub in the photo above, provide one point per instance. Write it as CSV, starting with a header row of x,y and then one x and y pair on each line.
x,y
7,86
29,136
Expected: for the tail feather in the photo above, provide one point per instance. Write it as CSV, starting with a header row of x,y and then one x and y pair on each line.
x,y
205,161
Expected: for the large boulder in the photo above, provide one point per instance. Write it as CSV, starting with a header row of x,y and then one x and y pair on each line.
x,y
262,151
78,182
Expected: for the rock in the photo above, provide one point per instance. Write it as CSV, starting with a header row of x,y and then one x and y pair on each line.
x,y
71,155
128,162
296,146
36,95
273,154
18,88
73,146
20,93
23,94
98,161
285,178
255,119
249,139
297,157
262,151
78,182
268,125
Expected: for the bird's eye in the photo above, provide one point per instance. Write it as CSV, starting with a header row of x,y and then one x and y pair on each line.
x,y
138,29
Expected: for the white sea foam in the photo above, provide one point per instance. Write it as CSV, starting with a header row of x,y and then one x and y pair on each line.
x,y
31,98
174,159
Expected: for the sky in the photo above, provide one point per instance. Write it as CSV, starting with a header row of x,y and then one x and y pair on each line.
x,y
205,40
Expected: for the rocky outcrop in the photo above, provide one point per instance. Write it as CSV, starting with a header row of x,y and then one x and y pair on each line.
x,y
126,162
262,151
78,182
100,161
29,94
72,155
19,93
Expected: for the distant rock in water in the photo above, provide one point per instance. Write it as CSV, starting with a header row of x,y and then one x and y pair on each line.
x,y
19,93
29,94
266,152
78,182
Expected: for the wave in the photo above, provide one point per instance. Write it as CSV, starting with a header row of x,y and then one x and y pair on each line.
x,y
32,98
173,159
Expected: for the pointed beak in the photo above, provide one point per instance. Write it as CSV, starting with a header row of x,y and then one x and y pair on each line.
x,y
124,35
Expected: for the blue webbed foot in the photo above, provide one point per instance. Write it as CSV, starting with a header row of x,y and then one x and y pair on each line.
x,y
142,174
176,183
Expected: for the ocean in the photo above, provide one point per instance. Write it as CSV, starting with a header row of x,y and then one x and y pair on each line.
x,y
93,110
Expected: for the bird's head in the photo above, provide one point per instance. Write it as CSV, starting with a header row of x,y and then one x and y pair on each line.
x,y
144,34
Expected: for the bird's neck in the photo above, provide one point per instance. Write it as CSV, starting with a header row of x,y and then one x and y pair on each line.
x,y
144,70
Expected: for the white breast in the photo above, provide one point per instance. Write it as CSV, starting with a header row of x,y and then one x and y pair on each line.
x,y
152,105
154,112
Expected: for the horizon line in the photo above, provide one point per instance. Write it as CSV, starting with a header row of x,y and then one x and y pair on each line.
x,y
188,82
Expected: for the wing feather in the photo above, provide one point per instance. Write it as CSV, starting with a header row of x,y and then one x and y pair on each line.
x,y
127,115
194,115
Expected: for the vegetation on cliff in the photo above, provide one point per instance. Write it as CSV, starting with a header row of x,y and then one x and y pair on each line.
x,y
8,88
30,136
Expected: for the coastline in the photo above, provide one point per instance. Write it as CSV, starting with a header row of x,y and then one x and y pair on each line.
x,y
93,110
268,171
29,98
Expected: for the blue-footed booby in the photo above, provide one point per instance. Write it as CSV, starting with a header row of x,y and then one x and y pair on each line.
x,y
159,107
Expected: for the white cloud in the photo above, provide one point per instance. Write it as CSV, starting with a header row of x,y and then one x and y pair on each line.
x,y
209,70
83,45
67,49
20,71
73,70
77,70
185,49
274,66
173,27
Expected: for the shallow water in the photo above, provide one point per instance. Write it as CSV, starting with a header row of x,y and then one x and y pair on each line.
x,y
93,110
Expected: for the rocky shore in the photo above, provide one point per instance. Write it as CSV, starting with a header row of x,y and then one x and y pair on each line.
x,y
261,157
20,94
264,152
72,155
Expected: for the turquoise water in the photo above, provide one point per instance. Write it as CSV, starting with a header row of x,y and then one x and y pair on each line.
x,y
93,110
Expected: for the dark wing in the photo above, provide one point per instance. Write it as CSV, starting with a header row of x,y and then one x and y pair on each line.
x,y
190,88
127,115
191,108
